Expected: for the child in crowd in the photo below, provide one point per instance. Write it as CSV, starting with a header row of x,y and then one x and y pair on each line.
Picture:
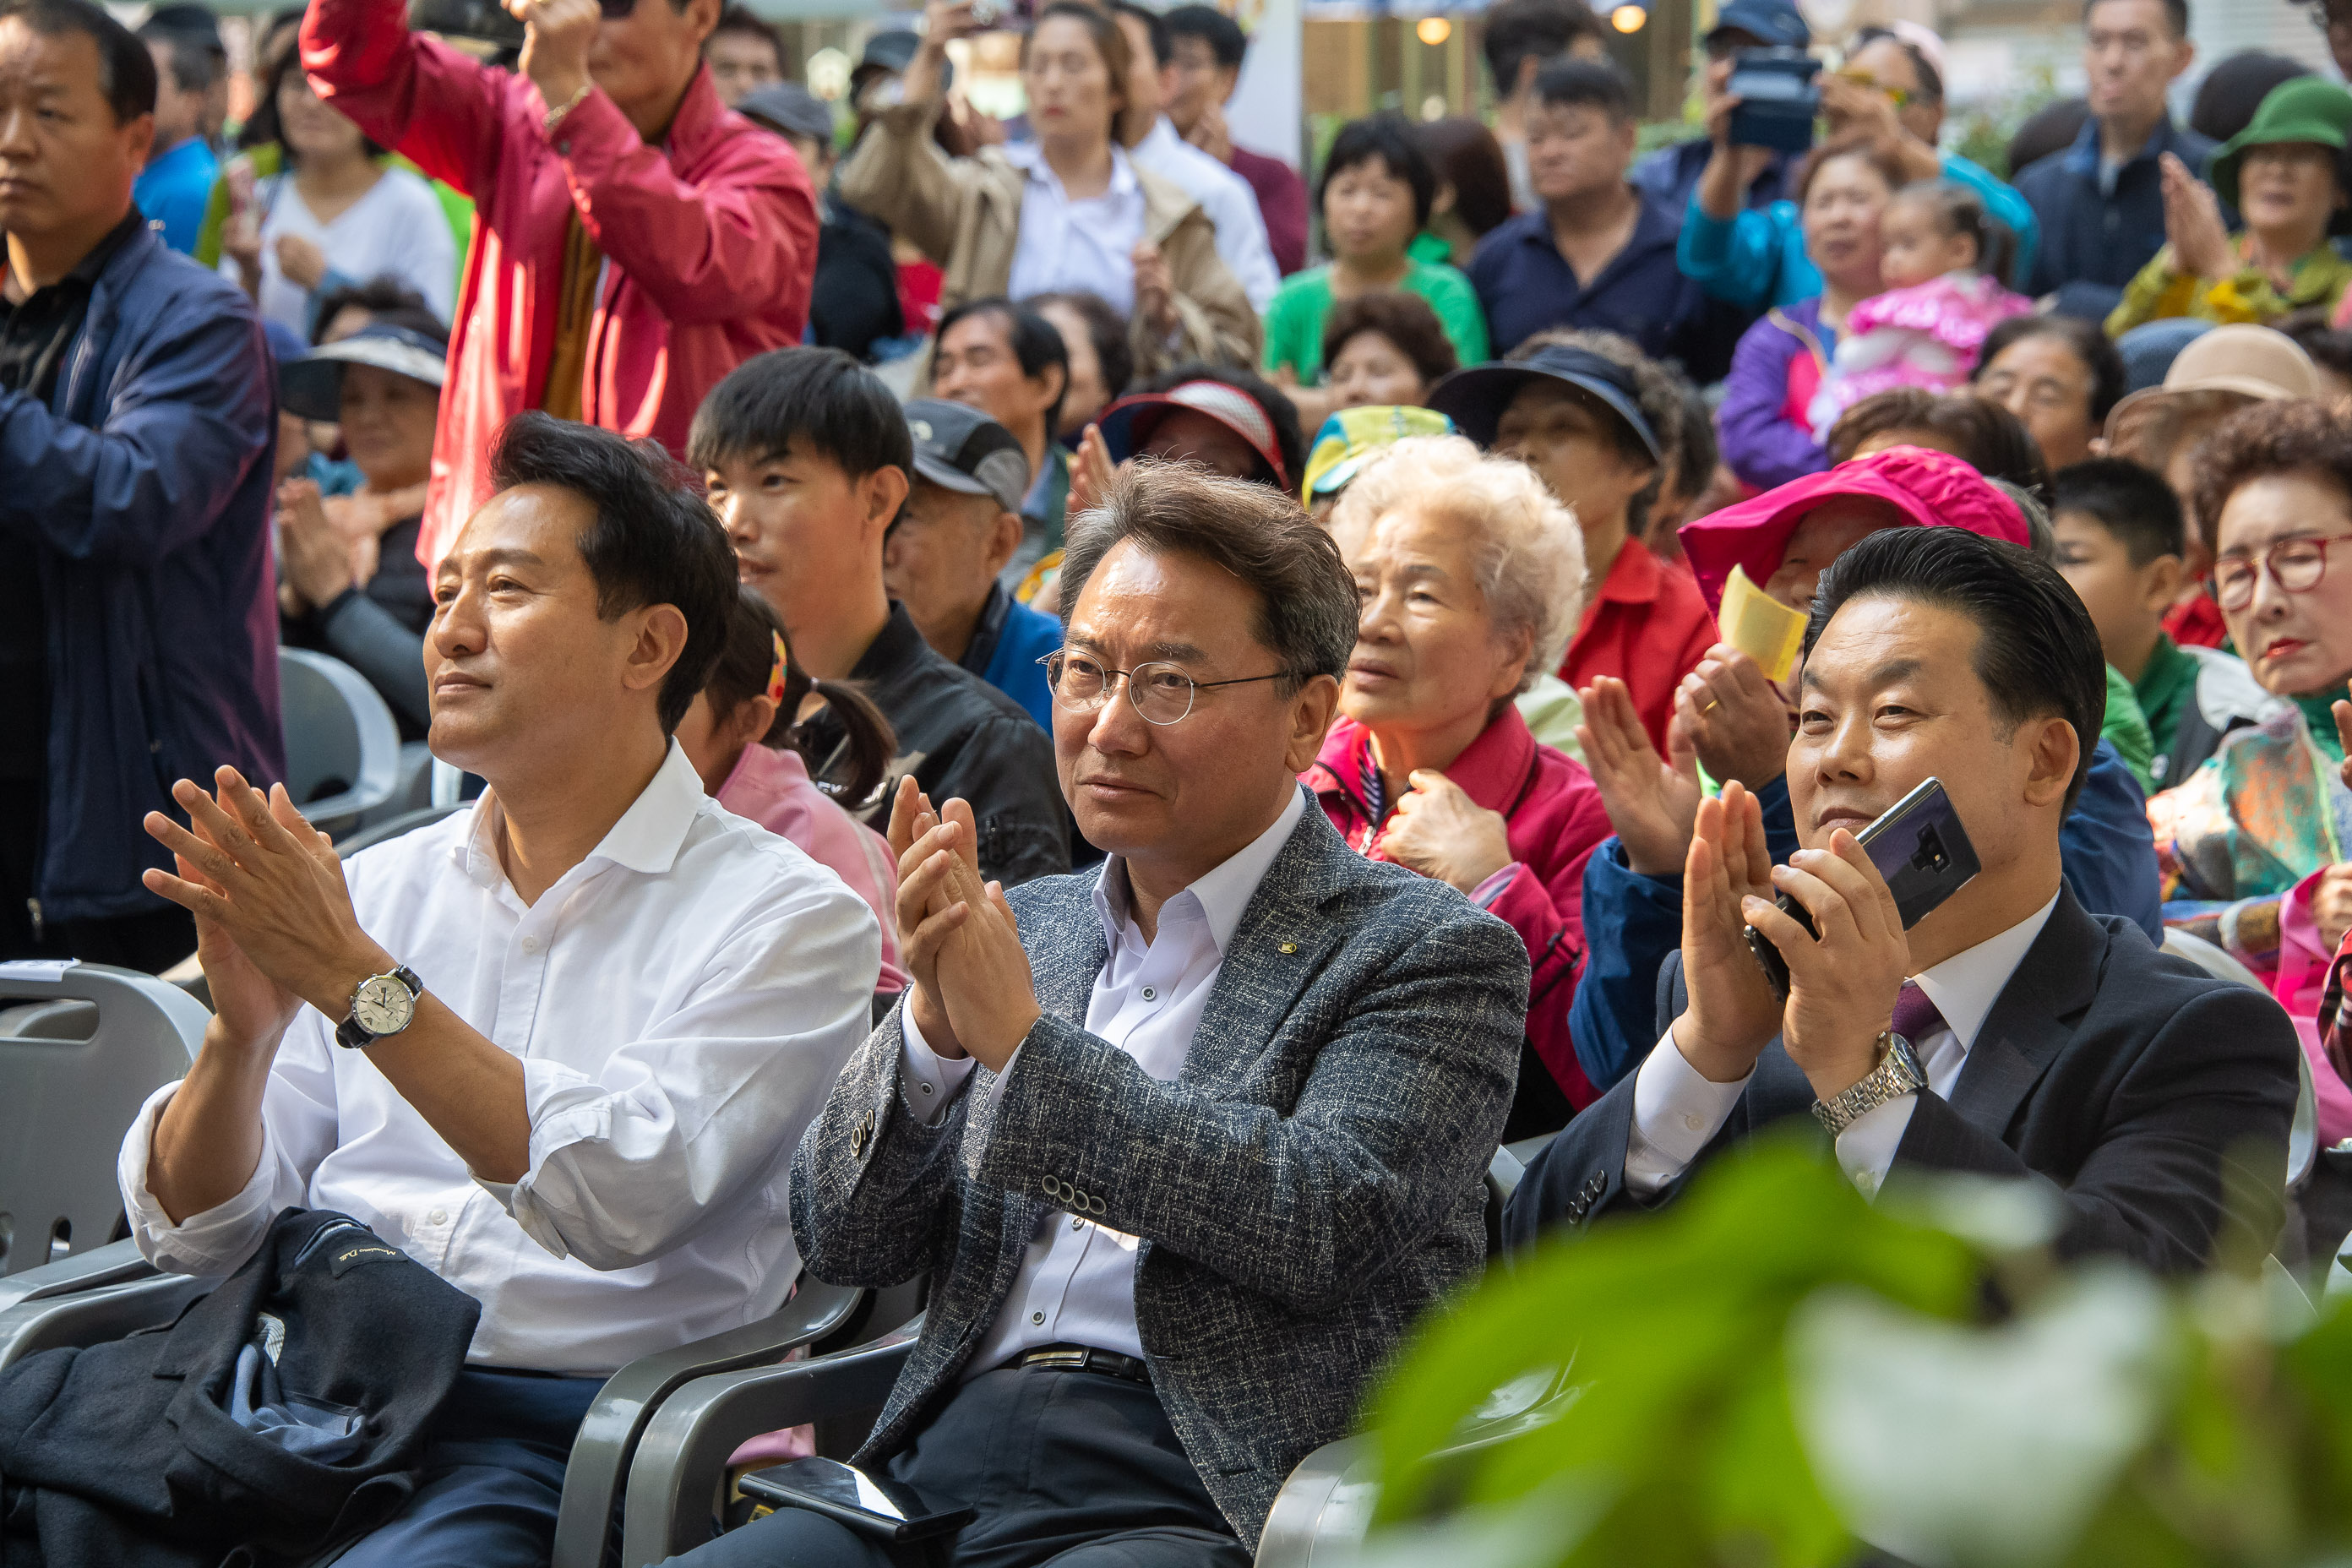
x,y
1945,262
743,736
2122,545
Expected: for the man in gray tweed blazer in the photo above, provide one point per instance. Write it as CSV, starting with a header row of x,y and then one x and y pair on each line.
x,y
1185,1146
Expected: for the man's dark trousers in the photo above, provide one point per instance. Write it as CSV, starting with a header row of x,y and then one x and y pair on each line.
x,y
1076,1469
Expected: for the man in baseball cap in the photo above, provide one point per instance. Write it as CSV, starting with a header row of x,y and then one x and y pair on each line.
x,y
960,527
1670,173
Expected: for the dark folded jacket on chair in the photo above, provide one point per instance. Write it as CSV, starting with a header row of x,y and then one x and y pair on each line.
x,y
281,1414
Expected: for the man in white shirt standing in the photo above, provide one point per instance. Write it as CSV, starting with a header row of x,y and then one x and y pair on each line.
x,y
2008,1033
557,1048
1186,1144
1224,195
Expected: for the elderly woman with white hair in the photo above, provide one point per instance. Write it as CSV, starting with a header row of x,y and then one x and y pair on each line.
x,y
1471,577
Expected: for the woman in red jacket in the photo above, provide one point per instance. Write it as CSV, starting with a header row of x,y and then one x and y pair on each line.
x,y
1471,579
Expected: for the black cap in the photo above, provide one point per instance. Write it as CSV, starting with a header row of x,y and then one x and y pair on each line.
x,y
960,449
889,53
1775,22
790,108
1474,398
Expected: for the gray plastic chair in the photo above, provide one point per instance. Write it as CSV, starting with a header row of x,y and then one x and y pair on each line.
x,y
71,1087
2302,1137
343,748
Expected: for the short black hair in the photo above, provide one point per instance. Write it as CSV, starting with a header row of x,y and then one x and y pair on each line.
x,y
126,69
2226,99
381,296
1389,138
2037,651
1289,445
1517,30
735,18
1163,41
803,400
2131,502
2176,12
1403,317
2092,346
1036,343
1572,83
1224,35
1989,438
198,59
654,541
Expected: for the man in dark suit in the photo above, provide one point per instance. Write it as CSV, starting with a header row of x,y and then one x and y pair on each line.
x,y
1187,1144
2008,1033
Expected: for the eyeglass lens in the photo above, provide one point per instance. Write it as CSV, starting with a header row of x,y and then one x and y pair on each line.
x,y
1161,694
2297,563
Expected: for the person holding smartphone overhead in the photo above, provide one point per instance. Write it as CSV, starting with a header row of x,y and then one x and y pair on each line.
x,y
2006,1031
635,241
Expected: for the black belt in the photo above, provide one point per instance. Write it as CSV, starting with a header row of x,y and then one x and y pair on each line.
x,y
1084,1358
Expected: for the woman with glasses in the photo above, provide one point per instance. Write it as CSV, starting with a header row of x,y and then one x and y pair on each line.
x,y
2254,843
1471,579
1067,210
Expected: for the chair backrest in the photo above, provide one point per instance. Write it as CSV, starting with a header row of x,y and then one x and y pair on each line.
x,y
65,1102
343,748
376,833
2302,1137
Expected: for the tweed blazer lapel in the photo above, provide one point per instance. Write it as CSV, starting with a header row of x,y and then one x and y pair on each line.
x,y
1278,946
2034,1018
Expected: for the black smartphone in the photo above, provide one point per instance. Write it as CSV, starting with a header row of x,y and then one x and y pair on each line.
x,y
1779,98
1005,16
485,19
1918,845
873,1505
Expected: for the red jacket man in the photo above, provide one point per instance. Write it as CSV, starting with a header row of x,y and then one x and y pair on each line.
x,y
636,239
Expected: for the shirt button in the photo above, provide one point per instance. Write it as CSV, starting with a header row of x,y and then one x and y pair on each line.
x,y
1037,1317
1149,995
1695,1123
531,944
924,1088
438,1217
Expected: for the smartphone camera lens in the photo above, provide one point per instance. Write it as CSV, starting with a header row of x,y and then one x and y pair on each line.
x,y
1930,856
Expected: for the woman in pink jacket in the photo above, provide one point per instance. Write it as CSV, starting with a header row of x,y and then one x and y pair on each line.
x,y
1471,578
742,737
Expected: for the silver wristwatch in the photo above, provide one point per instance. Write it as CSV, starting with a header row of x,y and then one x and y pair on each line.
x,y
1897,1074
381,1004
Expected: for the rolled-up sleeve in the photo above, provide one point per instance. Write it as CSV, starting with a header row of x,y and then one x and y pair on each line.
x,y
630,1162
298,1131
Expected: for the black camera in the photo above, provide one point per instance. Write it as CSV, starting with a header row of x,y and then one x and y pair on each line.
x,y
484,19
1779,98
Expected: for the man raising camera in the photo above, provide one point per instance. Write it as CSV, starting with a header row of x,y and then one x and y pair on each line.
x,y
637,242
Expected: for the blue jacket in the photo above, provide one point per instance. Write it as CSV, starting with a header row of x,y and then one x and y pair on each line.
x,y
1631,921
1757,260
1006,647
2094,239
145,482
1669,174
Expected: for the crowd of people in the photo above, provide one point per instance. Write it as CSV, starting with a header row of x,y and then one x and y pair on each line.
x,y
1053,707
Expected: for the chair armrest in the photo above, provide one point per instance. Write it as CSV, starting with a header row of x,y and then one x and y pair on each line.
x,y
87,1299
610,1433
1327,1500
681,1460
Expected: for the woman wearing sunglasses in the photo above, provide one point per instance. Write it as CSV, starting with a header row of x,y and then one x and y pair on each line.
x,y
2252,843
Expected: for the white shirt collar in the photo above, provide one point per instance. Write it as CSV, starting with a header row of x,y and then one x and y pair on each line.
x,y
1218,897
1030,157
1965,986
646,838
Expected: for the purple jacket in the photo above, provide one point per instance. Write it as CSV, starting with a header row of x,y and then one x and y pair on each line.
x,y
1773,370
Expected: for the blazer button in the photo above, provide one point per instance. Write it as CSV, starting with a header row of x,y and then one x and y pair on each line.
x,y
1048,1183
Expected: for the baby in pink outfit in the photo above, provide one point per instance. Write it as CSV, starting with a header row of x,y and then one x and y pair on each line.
x,y
1942,260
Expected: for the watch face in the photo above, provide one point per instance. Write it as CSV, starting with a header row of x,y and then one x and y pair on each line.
x,y
383,1006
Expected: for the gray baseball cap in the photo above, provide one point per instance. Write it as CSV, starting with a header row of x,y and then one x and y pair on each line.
x,y
790,108
960,449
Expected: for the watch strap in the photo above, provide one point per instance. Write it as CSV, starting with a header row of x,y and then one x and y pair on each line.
x,y
351,1034
1898,1073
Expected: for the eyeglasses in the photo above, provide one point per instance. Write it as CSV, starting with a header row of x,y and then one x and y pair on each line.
x,y
1160,693
2296,565
615,10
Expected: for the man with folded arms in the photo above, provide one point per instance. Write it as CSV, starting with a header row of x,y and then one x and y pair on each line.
x,y
556,1048
1185,1144
2008,1033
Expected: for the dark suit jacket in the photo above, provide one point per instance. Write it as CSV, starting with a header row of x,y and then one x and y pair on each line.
x,y
2123,1078
1311,1183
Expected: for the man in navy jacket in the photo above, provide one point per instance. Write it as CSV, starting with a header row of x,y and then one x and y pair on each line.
x,y
138,635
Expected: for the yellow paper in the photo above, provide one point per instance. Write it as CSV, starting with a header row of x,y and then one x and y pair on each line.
x,y
1763,628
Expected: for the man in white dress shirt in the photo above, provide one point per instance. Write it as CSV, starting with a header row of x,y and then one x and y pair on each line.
x,y
2008,1033
557,1048
1184,1144
1224,196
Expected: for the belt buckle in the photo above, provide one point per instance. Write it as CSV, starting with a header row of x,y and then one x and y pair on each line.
x,y
1075,1358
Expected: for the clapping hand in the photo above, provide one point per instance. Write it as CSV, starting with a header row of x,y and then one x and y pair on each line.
x,y
2192,222
1439,831
1092,475
1735,719
974,992
1843,982
1733,1014
1651,804
558,35
1155,289
315,554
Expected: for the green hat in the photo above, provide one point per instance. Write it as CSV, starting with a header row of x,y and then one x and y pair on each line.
x,y
2306,108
